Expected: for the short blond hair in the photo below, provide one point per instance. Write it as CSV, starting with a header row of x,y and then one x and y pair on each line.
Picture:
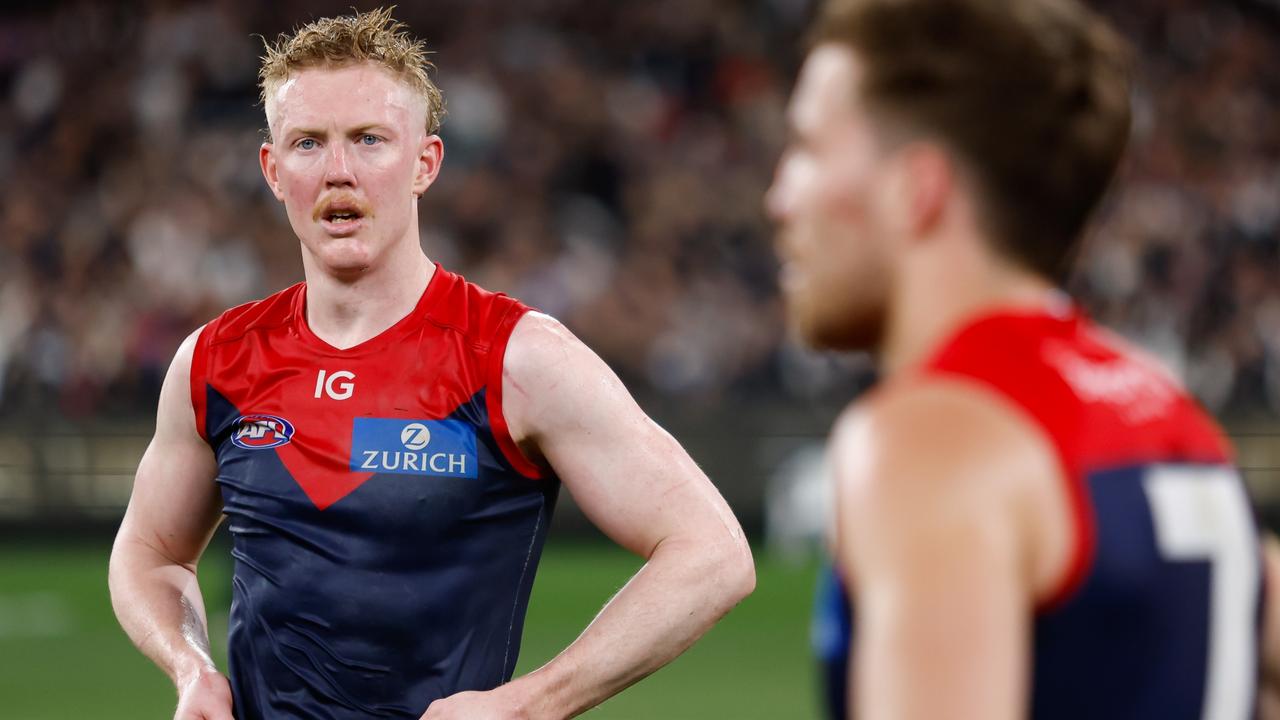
x,y
373,37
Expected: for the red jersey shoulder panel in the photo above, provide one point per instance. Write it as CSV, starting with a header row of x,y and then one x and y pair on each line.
x,y
487,319
469,309
1101,403
266,314
269,313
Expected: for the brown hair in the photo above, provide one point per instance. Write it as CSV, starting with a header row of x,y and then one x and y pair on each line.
x,y
1031,95
363,37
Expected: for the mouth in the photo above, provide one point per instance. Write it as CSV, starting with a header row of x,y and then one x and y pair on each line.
x,y
789,269
790,276
341,219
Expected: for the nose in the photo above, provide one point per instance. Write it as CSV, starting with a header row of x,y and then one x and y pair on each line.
x,y
337,171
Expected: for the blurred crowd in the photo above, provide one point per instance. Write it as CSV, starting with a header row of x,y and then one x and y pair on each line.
x,y
605,162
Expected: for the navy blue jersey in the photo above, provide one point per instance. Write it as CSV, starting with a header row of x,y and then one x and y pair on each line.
x,y
1159,615
385,528
831,634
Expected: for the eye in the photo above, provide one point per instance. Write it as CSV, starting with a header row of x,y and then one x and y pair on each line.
x,y
368,139
306,144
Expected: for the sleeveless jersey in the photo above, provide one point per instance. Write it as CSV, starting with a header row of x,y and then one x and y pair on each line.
x,y
1158,616
385,528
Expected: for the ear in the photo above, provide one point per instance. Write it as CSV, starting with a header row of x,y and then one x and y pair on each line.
x,y
267,159
430,158
922,187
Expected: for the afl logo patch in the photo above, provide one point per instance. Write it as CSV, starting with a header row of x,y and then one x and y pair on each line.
x,y
259,432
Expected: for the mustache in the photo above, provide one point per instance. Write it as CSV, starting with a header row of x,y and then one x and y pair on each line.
x,y
340,201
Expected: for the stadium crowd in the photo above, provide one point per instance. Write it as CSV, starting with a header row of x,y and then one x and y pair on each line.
x,y
605,162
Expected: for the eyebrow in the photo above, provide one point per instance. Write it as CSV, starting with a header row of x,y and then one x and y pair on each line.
x,y
380,127
357,130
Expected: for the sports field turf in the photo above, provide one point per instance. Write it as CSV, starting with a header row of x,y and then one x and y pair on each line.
x,y
62,655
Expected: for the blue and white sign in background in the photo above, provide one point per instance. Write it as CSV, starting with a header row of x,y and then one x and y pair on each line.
x,y
444,448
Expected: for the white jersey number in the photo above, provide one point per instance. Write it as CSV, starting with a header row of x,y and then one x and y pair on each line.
x,y
1203,514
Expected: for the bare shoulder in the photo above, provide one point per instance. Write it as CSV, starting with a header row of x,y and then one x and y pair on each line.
x,y
186,352
553,384
538,343
175,409
940,430
180,366
940,459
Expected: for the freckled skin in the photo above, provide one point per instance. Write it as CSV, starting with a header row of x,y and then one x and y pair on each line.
x,y
353,135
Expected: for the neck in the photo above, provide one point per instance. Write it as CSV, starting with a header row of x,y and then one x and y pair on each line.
x,y
939,295
346,311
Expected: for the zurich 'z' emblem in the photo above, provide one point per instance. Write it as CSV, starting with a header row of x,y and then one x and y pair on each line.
x,y
440,448
259,432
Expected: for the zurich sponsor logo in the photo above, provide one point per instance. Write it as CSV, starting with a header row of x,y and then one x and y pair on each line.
x,y
259,432
415,436
444,448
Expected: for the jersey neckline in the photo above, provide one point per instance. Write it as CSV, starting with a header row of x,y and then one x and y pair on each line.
x,y
436,286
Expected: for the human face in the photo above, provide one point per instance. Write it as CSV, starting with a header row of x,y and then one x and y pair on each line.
x,y
349,157
828,200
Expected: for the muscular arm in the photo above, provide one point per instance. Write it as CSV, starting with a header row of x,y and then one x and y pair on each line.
x,y
638,485
171,516
932,532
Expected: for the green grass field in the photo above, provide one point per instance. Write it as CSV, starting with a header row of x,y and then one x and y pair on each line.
x,y
62,655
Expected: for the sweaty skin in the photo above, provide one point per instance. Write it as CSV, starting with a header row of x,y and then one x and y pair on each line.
x,y
351,138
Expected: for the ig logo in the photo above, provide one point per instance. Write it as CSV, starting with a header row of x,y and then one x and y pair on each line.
x,y
338,386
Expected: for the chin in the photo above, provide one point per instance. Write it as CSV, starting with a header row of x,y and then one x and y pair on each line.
x,y
842,331
346,259
348,269
346,254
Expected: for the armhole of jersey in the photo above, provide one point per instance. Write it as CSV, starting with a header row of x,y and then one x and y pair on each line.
x,y
1084,539
493,395
1080,520
199,379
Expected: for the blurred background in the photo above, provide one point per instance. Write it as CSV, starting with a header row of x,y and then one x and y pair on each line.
x,y
605,162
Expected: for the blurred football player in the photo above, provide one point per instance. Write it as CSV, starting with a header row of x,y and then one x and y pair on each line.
x,y
1033,519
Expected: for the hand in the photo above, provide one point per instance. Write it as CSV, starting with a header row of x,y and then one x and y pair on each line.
x,y
207,696
491,705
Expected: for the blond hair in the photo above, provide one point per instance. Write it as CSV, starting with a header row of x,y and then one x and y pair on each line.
x,y
373,37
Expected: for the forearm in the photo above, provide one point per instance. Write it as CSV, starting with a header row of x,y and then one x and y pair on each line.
x,y
677,596
158,603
